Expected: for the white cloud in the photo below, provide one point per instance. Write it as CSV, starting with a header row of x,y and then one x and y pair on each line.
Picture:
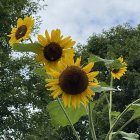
x,y
80,18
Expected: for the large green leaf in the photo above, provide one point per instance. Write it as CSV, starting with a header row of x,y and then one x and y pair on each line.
x,y
116,64
109,63
136,108
94,58
102,89
129,136
30,47
58,117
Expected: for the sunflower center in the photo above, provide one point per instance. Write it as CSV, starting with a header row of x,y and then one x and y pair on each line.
x,y
21,31
73,80
115,70
52,51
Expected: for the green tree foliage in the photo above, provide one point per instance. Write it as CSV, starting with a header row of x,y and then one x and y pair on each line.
x,y
23,97
118,41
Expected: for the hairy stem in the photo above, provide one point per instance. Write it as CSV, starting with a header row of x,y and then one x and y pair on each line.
x,y
110,107
91,123
119,117
74,131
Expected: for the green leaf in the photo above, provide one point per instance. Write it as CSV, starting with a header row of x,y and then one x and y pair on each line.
x,y
116,64
136,108
94,58
129,136
58,117
40,71
30,47
101,89
114,115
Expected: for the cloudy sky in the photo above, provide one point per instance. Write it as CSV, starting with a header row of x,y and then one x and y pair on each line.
x,y
80,18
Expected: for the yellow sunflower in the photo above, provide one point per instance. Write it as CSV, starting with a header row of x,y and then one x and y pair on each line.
x,y
72,82
22,31
54,48
118,73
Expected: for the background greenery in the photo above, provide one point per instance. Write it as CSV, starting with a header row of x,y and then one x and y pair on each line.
x,y
23,97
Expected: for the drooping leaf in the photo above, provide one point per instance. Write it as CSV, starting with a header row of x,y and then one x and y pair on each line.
x,y
58,117
136,108
129,136
116,64
94,58
30,47
102,89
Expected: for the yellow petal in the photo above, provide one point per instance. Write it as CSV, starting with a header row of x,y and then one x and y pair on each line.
x,y
91,75
65,99
53,36
88,67
19,22
47,36
42,40
74,102
69,44
56,93
54,73
65,41
78,61
57,35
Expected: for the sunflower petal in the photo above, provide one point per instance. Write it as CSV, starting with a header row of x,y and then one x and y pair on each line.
x,y
88,67
42,40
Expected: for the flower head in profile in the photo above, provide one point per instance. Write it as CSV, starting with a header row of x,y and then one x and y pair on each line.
x,y
72,82
118,73
21,31
54,48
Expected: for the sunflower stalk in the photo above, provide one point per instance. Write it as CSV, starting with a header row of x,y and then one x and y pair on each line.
x,y
119,117
74,131
93,134
110,107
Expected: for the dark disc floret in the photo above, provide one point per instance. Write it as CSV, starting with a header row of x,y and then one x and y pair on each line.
x,y
21,31
73,80
52,51
115,70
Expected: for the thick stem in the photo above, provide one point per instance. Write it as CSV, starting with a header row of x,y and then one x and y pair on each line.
x,y
119,117
91,123
74,131
110,107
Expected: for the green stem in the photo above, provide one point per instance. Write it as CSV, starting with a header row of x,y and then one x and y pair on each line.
x,y
106,98
91,123
122,127
74,131
110,107
120,116
30,40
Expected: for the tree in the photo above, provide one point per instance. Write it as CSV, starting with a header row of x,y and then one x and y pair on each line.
x,y
118,41
23,97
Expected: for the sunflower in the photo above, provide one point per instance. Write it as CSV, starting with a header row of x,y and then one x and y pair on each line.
x,y
72,82
118,73
22,31
54,48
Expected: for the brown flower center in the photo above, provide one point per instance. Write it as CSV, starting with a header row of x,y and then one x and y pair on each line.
x,y
73,80
52,51
115,70
21,31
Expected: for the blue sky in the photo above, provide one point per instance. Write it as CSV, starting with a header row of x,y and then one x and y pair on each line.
x,y
82,18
